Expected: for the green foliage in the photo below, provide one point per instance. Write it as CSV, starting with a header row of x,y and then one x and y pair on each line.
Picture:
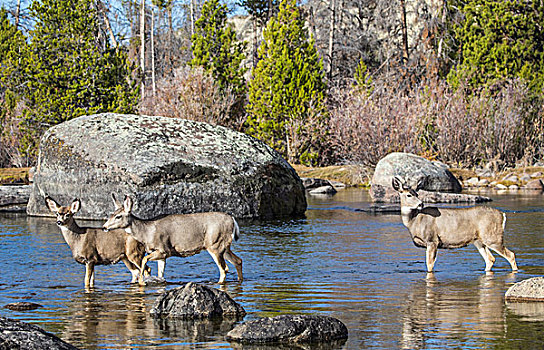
x,y
216,50
500,39
67,70
261,10
363,79
287,92
12,46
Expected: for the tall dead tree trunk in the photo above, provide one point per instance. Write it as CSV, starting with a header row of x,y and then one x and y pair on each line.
x,y
17,14
142,46
404,28
102,8
153,85
330,51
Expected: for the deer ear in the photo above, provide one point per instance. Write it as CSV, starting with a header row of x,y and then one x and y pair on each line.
x,y
51,204
116,203
75,206
127,204
396,183
421,183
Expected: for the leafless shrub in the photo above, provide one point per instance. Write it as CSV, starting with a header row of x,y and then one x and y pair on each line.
x,y
366,127
503,123
10,139
192,94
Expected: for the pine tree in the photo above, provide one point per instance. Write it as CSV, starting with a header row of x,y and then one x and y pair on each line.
x,y
69,71
216,50
287,91
12,49
500,39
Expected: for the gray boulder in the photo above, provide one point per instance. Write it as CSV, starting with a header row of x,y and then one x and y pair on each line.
x,y
19,335
531,289
411,168
195,301
167,165
290,329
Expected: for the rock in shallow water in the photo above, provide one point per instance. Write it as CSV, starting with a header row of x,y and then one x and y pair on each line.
x,y
290,329
531,289
167,165
19,335
195,301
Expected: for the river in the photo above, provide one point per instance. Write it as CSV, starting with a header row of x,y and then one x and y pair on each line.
x,y
338,261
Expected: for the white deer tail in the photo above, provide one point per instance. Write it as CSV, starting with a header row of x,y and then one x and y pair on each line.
x,y
235,230
503,221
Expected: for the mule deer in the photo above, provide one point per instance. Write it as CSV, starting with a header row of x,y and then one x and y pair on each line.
x,y
448,228
92,246
180,235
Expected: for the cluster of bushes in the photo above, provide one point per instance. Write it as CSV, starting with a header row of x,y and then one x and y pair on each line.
x,y
485,105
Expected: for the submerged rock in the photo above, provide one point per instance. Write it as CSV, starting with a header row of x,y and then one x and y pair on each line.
x,y
22,306
167,165
290,329
19,335
195,301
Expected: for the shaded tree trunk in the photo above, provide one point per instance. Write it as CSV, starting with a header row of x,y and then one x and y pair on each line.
x,y
142,46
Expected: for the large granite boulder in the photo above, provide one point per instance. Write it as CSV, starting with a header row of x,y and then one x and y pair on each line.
x,y
195,301
167,165
19,335
411,168
298,329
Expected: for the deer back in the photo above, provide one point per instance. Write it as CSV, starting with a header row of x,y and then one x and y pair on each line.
x,y
457,227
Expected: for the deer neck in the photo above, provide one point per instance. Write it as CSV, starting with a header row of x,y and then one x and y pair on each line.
x,y
72,233
136,228
408,215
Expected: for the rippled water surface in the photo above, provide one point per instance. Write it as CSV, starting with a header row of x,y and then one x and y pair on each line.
x,y
362,269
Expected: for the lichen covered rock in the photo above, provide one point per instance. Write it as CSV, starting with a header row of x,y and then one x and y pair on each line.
x,y
299,329
195,301
167,165
19,335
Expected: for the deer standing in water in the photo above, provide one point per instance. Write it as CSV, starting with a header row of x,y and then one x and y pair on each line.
x,y
446,228
180,235
93,246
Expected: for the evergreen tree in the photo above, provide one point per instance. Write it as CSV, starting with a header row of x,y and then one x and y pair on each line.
x,y
287,91
69,71
12,48
216,50
500,39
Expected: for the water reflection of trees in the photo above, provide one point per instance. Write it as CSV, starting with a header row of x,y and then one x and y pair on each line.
x,y
453,308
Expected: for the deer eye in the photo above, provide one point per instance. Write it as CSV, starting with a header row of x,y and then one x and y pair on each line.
x,y
118,217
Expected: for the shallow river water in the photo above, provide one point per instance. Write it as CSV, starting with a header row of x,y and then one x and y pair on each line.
x,y
362,269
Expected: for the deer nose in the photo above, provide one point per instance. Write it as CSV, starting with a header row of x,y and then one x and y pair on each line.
x,y
105,229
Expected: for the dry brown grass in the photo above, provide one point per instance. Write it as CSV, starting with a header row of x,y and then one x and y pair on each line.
x,y
14,175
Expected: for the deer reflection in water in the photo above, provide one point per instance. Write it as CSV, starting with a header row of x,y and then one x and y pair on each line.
x,y
452,307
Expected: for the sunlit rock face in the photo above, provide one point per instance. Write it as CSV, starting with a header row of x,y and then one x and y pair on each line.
x,y
167,165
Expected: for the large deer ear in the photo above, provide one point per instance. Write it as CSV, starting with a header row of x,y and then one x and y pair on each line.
x,y
51,204
421,183
127,204
75,206
397,183
116,203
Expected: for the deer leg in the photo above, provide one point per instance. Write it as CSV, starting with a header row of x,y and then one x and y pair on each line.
x,y
155,255
486,254
160,268
431,256
89,275
507,254
134,269
236,261
221,264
